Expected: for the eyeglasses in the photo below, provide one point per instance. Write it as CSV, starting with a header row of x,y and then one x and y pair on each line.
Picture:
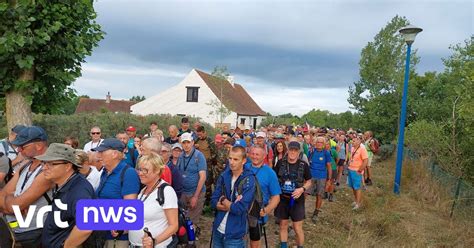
x,y
51,164
94,133
142,170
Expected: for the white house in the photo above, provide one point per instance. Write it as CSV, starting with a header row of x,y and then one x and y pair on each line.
x,y
193,97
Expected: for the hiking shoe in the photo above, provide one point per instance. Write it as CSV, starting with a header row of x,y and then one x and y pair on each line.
x,y
314,218
331,197
353,204
356,207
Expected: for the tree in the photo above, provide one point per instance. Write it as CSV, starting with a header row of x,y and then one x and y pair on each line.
x,y
42,46
218,110
377,94
137,98
220,72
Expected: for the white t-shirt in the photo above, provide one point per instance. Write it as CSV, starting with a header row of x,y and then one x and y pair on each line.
x,y
154,216
94,177
91,144
221,227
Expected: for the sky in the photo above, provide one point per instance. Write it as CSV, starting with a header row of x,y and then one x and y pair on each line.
x,y
291,56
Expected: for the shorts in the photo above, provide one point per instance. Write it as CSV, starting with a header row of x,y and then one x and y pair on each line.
x,y
318,186
341,162
354,180
334,174
195,213
255,233
369,161
284,212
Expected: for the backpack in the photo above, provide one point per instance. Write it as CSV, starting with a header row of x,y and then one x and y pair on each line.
x,y
182,233
10,173
282,171
253,214
374,146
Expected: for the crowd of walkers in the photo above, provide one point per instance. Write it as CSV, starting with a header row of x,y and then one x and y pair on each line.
x,y
243,175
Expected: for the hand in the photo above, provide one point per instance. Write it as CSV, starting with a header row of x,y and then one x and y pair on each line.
x,y
147,241
238,198
114,233
193,202
297,193
263,212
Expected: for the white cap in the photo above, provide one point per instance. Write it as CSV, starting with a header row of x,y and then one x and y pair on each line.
x,y
176,145
186,137
261,134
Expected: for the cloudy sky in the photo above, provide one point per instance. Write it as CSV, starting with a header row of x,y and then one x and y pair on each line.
x,y
291,56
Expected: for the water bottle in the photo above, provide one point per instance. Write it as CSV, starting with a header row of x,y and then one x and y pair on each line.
x,y
190,229
292,201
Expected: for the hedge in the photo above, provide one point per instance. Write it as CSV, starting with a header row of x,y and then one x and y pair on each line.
x,y
79,125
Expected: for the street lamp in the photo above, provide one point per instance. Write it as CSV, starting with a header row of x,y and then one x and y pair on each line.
x,y
409,33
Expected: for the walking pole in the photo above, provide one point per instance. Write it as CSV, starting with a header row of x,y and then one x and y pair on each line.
x,y
265,236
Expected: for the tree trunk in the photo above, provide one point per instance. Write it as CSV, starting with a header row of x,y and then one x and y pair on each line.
x,y
18,109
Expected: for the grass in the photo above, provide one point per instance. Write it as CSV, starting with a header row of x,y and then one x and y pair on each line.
x,y
418,217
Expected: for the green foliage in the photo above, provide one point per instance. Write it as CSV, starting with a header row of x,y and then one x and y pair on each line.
x,y
79,125
137,98
51,38
220,72
377,94
218,110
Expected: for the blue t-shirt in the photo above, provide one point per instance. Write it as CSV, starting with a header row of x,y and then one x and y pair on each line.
x,y
112,187
318,162
268,181
128,157
75,189
190,166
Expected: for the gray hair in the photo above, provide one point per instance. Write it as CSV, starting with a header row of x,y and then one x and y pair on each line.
x,y
153,144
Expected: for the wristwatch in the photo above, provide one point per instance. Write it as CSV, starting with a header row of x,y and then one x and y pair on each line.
x,y
304,188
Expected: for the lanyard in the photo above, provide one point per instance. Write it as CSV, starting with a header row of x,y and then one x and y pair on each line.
x,y
28,174
352,155
187,163
153,189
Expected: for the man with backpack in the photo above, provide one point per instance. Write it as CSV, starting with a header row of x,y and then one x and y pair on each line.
x,y
28,186
10,150
294,177
131,154
372,147
233,197
118,181
268,181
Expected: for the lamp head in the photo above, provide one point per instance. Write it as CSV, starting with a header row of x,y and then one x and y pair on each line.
x,y
409,33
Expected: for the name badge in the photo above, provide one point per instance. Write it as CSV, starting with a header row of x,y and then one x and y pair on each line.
x,y
321,158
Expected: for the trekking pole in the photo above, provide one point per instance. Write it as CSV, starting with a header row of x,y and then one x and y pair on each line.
x,y
265,236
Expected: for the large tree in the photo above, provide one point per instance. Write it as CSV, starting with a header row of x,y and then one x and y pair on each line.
x,y
377,94
42,46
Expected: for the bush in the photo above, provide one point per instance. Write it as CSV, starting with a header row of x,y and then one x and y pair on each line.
x,y
79,125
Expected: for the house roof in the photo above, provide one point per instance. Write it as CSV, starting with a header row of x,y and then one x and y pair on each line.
x,y
97,105
234,96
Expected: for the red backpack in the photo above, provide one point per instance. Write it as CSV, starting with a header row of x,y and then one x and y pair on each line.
x,y
375,146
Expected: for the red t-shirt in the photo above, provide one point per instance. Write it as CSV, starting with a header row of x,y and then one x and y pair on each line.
x,y
166,175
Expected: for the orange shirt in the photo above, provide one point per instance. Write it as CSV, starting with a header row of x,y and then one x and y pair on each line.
x,y
166,175
357,157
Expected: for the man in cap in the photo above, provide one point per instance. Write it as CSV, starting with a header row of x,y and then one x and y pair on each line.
x,y
130,153
193,167
261,136
10,150
131,132
118,181
294,177
61,168
28,186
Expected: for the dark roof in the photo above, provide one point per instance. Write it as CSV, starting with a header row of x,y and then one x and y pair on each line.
x,y
97,105
235,98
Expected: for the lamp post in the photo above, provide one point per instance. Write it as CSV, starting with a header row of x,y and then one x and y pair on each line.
x,y
409,33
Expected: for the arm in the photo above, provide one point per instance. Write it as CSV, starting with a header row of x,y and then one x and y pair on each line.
x,y
172,218
76,237
272,204
39,186
241,207
329,169
130,196
202,180
364,165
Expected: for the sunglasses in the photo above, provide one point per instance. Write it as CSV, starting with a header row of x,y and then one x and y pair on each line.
x,y
95,133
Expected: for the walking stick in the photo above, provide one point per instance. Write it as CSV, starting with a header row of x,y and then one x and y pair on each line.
x,y
265,235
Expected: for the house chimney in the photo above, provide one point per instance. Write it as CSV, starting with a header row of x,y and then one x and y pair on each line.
x,y
231,80
108,97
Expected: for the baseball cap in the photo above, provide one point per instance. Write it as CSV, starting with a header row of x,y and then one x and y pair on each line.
x,y
186,137
30,134
261,135
17,128
241,143
176,145
294,145
109,144
57,151
131,129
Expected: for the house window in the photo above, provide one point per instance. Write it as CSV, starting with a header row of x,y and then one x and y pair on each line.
x,y
192,94
242,121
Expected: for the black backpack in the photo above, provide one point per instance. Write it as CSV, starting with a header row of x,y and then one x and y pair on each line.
x,y
257,203
182,233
